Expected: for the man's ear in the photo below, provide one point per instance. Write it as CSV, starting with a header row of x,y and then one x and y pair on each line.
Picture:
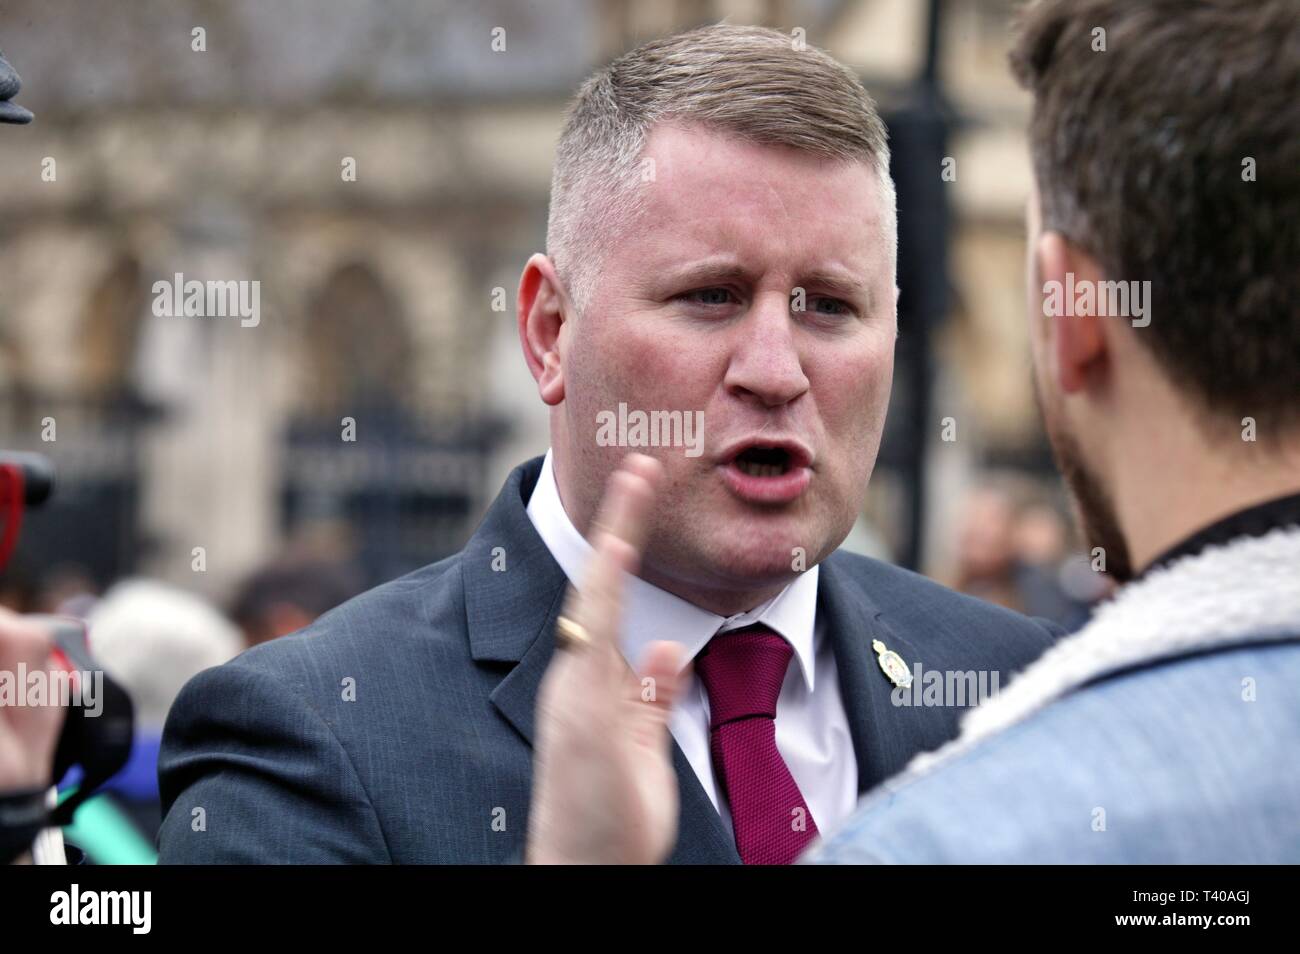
x,y
1077,346
541,313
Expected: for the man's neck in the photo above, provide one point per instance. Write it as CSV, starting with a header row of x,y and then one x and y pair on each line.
x,y
719,600
1168,491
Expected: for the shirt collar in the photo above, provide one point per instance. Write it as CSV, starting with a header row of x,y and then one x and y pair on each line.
x,y
651,613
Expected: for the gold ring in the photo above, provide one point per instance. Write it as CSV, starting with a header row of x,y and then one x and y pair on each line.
x,y
571,635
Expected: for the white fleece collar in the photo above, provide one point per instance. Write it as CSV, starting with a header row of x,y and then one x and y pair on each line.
x,y
1245,591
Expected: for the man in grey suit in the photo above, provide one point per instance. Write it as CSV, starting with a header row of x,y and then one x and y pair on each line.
x,y
720,293
1166,730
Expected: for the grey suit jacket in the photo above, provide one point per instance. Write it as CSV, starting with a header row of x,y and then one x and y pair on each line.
x,y
398,727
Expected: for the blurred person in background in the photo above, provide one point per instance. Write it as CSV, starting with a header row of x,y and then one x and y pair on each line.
x,y
1055,581
288,594
68,589
1013,553
986,555
1041,535
18,590
151,638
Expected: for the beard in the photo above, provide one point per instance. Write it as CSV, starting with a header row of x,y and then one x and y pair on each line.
x,y
1095,511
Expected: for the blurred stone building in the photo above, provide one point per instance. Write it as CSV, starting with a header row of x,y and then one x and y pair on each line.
x,y
381,169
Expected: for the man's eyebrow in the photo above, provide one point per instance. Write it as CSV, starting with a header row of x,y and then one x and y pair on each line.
x,y
836,282
707,271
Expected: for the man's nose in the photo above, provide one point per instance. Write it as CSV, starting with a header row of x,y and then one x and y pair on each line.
x,y
765,362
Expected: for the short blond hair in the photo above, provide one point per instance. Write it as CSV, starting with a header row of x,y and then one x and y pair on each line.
x,y
757,84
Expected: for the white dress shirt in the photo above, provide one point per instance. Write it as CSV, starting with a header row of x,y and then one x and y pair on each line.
x,y
812,730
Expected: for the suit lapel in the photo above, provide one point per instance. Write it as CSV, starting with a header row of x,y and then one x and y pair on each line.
x,y
884,740
511,616
702,839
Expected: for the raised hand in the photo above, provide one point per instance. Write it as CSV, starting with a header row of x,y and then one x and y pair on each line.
x,y
604,789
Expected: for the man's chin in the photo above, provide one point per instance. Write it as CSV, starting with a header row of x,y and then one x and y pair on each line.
x,y
758,552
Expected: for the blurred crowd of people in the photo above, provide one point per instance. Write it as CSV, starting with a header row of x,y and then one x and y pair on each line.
x,y
1016,548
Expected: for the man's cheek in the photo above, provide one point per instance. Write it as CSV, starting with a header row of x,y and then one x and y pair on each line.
x,y
639,361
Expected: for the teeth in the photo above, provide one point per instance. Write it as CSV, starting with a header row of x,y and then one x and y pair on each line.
x,y
760,470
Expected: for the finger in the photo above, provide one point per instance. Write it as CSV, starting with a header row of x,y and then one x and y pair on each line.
x,y
618,535
662,678
661,663
629,493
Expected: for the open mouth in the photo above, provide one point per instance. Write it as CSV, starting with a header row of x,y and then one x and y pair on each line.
x,y
775,473
763,461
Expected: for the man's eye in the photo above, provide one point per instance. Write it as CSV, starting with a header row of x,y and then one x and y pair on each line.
x,y
709,296
828,306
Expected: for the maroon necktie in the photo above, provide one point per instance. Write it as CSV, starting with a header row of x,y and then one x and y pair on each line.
x,y
742,672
